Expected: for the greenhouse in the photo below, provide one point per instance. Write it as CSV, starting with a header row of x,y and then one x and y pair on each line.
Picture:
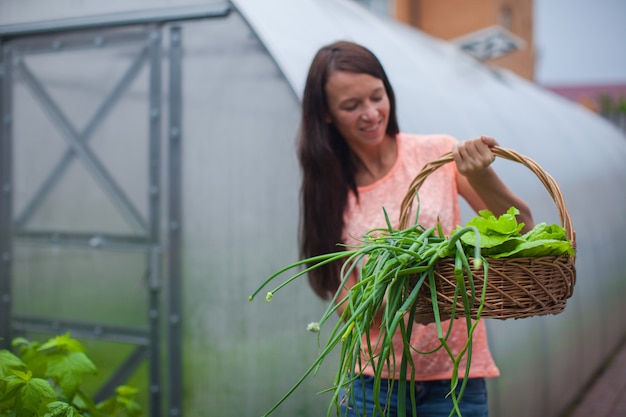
x,y
149,184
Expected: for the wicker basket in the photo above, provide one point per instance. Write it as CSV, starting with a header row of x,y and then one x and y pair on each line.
x,y
516,287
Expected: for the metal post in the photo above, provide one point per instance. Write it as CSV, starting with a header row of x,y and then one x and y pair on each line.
x,y
6,193
175,336
154,204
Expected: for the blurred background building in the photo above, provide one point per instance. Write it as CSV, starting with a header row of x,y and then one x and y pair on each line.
x,y
570,48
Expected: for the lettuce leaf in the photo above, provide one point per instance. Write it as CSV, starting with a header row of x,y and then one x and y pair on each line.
x,y
501,237
537,249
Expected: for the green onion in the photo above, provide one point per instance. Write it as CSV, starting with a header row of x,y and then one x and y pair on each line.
x,y
393,266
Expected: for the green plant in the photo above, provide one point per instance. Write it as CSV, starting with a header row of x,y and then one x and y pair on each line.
x,y
44,380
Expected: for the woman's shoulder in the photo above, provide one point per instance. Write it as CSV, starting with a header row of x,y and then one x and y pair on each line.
x,y
433,144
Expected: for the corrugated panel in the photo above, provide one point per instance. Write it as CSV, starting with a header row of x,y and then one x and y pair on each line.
x,y
440,89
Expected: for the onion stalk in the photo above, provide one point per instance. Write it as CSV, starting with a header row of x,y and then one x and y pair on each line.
x,y
393,266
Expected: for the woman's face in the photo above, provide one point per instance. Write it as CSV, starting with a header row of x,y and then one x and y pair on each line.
x,y
358,106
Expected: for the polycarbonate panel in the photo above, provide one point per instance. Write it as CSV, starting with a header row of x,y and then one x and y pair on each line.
x,y
440,89
76,284
240,218
58,100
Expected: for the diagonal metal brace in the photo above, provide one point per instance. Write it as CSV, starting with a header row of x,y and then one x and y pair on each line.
x,y
78,147
123,373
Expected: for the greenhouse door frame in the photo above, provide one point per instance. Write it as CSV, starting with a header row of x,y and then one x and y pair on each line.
x,y
147,340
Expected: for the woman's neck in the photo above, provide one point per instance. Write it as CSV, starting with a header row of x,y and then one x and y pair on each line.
x,y
374,163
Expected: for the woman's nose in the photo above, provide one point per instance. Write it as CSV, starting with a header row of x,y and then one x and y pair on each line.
x,y
369,112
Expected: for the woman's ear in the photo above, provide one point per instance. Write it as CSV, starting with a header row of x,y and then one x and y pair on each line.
x,y
328,119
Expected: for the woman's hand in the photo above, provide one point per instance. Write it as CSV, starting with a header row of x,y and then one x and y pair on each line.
x,y
480,185
474,155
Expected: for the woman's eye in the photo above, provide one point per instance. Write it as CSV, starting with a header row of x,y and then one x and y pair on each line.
x,y
377,98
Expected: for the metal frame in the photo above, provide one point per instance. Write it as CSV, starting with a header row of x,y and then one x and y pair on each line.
x,y
146,29
6,202
140,17
175,135
147,339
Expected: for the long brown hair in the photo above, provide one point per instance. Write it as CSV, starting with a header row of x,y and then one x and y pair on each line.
x,y
327,170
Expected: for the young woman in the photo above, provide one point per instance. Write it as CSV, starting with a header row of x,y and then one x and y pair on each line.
x,y
355,161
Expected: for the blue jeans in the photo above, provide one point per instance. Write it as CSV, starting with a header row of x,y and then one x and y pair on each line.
x,y
430,397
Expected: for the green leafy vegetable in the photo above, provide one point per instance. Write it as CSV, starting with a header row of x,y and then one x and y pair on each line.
x,y
500,237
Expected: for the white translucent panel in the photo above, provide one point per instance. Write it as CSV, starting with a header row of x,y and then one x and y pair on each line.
x,y
439,89
240,218
83,285
58,100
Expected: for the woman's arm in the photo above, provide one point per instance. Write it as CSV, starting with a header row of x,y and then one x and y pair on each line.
x,y
479,184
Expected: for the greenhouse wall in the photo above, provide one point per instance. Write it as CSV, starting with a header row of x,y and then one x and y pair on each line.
x,y
179,196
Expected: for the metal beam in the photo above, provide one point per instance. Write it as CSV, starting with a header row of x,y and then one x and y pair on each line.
x,y
100,39
122,374
175,153
101,241
79,329
155,257
141,17
6,197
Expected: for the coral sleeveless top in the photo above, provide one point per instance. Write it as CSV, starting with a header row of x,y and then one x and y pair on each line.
x,y
439,198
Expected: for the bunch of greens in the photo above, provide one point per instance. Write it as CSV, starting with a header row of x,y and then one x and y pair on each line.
x,y
392,266
500,237
45,380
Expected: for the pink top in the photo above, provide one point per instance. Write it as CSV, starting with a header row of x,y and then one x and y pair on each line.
x,y
439,198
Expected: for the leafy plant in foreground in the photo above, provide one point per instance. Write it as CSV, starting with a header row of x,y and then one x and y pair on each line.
x,y
44,380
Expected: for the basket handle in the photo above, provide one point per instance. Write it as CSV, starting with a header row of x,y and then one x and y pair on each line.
x,y
544,177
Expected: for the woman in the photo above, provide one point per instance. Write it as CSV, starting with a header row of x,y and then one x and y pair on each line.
x,y
355,161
